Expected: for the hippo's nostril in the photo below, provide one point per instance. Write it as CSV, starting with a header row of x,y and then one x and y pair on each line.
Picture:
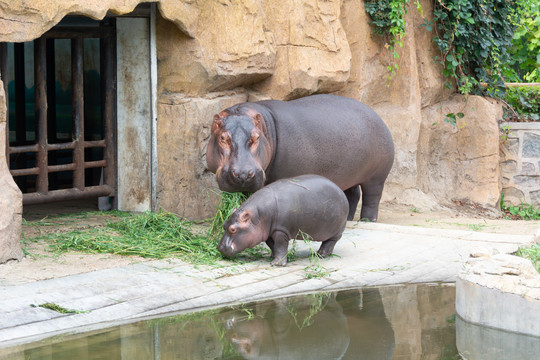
x,y
235,173
251,174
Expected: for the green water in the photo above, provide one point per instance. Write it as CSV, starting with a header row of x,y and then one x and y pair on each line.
x,y
398,322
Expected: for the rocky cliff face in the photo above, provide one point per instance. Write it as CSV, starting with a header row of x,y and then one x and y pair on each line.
x,y
213,53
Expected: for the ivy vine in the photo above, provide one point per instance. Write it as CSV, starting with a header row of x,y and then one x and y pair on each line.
x,y
475,38
388,18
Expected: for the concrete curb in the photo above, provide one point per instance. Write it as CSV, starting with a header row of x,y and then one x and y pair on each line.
x,y
502,292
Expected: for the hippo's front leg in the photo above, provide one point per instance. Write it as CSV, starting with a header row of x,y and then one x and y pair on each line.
x,y
353,197
270,244
281,247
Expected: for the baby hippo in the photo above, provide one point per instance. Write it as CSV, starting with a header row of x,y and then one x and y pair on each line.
x,y
278,212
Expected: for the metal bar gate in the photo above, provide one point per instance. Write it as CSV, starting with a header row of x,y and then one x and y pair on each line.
x,y
44,100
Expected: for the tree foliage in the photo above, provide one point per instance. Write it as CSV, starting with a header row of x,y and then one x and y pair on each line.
x,y
524,63
525,102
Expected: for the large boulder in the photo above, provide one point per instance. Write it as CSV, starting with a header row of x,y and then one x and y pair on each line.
x,y
11,214
212,45
313,53
10,201
461,162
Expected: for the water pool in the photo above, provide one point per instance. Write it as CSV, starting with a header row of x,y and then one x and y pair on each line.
x,y
396,322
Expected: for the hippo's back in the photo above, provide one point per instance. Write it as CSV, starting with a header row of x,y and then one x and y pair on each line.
x,y
310,203
332,136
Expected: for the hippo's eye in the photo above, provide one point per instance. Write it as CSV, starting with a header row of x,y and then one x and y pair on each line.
x,y
232,229
224,139
254,139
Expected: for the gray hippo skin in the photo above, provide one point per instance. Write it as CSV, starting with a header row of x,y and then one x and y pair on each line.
x,y
253,144
276,213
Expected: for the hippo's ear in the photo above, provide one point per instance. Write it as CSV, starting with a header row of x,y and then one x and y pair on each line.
x,y
260,124
244,216
217,124
258,121
218,121
255,217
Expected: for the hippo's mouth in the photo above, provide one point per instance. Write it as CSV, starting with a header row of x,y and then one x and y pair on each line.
x,y
226,247
231,182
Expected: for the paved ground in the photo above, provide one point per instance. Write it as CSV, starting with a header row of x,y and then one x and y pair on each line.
x,y
367,255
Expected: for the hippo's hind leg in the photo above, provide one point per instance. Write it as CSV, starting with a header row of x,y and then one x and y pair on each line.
x,y
327,247
371,197
353,196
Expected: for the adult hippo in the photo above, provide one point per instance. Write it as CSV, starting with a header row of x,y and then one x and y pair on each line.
x,y
253,144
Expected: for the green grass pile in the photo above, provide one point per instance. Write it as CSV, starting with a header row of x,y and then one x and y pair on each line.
x,y
154,235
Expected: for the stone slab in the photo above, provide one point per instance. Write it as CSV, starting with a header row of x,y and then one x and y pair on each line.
x,y
367,255
500,291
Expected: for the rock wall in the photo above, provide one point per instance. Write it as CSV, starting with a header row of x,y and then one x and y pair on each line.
x,y
27,20
185,186
434,164
460,162
227,46
313,53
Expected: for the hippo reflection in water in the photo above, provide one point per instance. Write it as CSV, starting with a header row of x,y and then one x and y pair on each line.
x,y
315,327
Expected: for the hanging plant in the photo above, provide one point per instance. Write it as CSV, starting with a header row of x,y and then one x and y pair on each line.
x,y
388,20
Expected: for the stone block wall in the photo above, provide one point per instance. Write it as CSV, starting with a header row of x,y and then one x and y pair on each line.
x,y
520,163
